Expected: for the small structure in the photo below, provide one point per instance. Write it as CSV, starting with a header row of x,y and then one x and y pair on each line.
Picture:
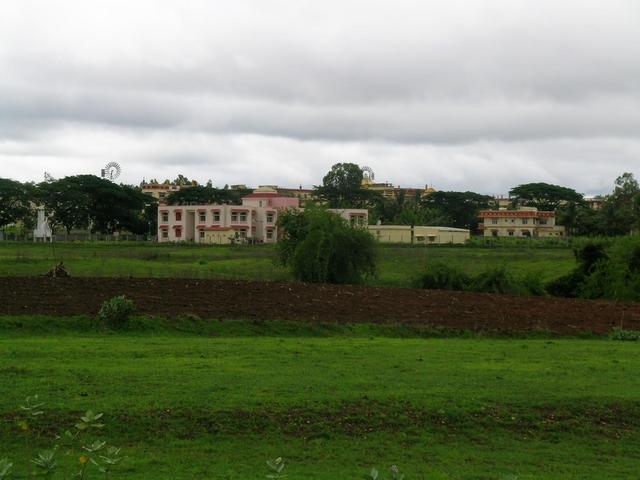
x,y
420,235
42,232
523,222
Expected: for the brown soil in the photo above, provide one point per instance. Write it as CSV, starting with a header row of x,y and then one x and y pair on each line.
x,y
321,303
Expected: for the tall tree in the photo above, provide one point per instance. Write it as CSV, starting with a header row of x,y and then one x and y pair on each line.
x,y
621,209
461,207
14,202
207,196
543,196
66,202
342,187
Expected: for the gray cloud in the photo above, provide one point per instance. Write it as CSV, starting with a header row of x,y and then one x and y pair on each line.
x,y
463,95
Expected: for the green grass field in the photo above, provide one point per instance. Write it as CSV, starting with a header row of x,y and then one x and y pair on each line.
x,y
196,399
397,266
219,398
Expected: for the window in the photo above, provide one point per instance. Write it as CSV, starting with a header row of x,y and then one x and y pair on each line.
x,y
494,221
216,217
178,232
243,233
543,221
269,234
511,233
201,233
165,217
203,217
494,233
165,234
239,217
525,221
178,216
162,194
270,217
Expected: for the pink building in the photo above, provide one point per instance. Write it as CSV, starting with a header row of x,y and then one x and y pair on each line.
x,y
256,219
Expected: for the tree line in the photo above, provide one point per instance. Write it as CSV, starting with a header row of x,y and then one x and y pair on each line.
x,y
617,214
89,202
80,202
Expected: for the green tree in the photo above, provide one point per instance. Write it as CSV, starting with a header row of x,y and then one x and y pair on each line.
x,y
461,208
207,196
543,196
87,201
66,202
15,206
342,187
321,247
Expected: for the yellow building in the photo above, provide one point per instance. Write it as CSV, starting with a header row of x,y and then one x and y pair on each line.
x,y
524,222
419,235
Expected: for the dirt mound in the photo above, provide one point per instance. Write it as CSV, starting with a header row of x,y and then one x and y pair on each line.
x,y
322,303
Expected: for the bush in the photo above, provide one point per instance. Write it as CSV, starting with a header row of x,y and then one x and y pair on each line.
x,y
321,247
497,280
440,276
115,313
625,335
566,286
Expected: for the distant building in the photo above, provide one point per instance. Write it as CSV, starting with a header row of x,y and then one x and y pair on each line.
x,y
421,235
161,190
254,220
524,222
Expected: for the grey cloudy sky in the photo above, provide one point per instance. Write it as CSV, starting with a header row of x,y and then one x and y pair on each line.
x,y
459,94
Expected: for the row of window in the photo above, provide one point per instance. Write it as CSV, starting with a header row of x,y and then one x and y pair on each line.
x,y
525,221
236,217
241,233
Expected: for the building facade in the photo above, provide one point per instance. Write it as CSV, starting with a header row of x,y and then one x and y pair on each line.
x,y
524,222
253,221
420,235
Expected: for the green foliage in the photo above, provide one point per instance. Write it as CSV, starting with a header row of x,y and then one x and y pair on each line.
x,y
276,468
495,280
207,195
49,462
321,247
83,201
342,187
6,467
440,276
625,335
115,312
543,196
605,270
14,202
498,280
461,207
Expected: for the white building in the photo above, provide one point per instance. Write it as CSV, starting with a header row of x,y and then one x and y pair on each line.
x,y
254,220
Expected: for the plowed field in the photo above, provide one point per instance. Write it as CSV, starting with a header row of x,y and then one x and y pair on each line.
x,y
323,303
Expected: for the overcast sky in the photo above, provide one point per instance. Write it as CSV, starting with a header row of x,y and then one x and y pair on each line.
x,y
464,95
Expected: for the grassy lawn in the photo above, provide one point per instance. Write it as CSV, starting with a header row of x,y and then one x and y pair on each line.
x,y
397,265
217,404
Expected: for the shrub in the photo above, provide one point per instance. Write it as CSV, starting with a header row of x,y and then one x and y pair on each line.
x,y
497,280
533,285
115,312
625,335
440,276
566,286
321,247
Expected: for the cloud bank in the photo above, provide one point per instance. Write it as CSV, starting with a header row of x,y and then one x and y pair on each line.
x,y
461,95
